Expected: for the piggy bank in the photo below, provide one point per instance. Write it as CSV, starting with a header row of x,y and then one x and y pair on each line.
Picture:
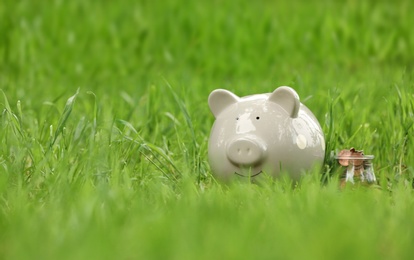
x,y
263,134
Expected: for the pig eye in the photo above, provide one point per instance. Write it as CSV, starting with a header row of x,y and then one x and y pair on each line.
x,y
257,117
237,118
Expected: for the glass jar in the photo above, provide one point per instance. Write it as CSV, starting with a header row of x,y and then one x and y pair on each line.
x,y
358,167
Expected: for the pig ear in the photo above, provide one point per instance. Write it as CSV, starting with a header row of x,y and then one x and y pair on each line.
x,y
219,99
288,99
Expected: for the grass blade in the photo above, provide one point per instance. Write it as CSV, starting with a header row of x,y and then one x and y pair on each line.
x,y
64,117
13,118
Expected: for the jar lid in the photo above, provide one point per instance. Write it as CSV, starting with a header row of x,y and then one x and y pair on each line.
x,y
350,157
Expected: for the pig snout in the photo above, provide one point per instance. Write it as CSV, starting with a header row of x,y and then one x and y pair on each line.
x,y
246,151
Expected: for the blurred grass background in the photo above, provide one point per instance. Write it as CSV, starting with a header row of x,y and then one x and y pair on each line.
x,y
105,126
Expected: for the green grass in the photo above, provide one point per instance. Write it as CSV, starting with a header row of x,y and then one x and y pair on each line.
x,y
105,125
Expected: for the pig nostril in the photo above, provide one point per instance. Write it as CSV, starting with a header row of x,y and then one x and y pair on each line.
x,y
245,152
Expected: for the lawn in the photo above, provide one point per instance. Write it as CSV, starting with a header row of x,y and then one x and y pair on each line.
x,y
105,127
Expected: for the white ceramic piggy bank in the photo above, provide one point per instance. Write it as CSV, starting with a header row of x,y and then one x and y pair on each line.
x,y
264,133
